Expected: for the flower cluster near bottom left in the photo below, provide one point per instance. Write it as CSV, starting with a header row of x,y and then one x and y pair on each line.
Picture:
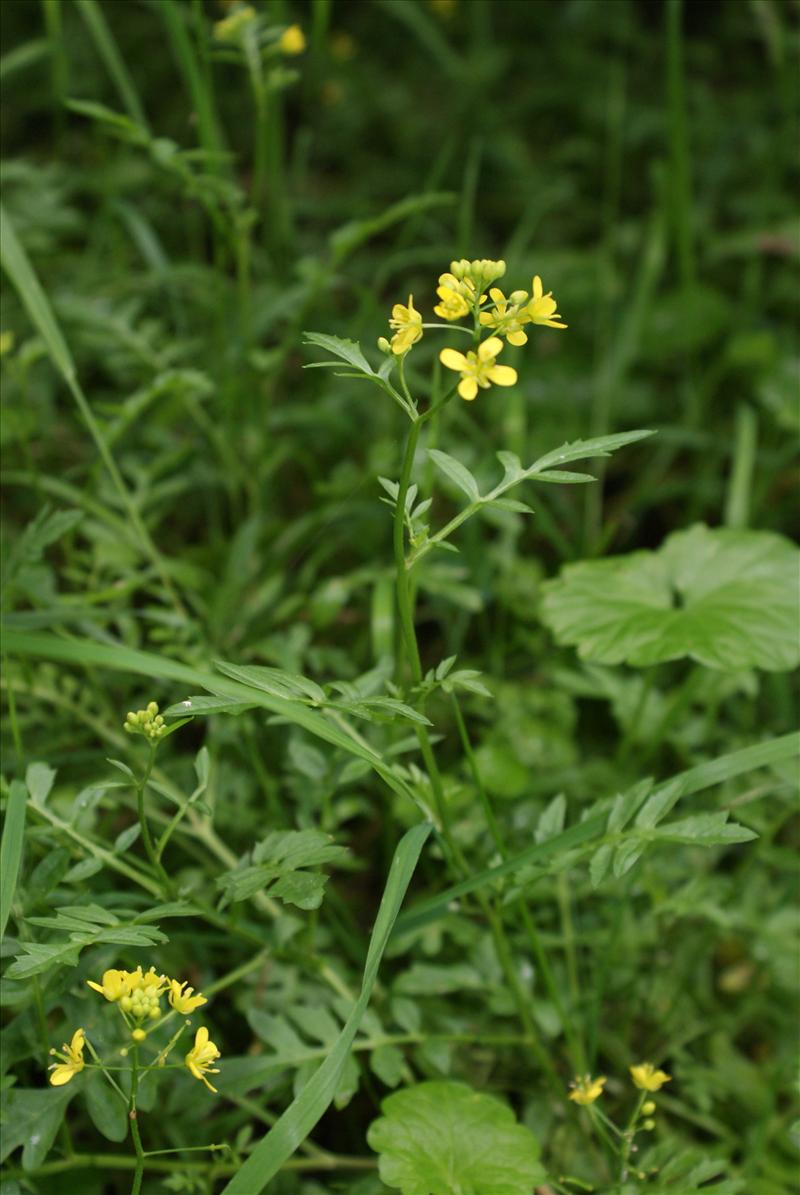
x,y
137,995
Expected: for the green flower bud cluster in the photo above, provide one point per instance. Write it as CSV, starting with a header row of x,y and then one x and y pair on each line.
x,y
147,722
482,272
142,1003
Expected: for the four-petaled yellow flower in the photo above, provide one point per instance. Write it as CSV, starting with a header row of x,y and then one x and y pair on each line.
x,y
407,323
479,368
542,307
200,1057
585,1089
647,1078
507,319
72,1063
115,985
292,40
184,1002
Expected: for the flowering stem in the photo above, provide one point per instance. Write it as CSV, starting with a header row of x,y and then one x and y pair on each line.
x,y
152,854
627,1139
527,920
452,850
132,1120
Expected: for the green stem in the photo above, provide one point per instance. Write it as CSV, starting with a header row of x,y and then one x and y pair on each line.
x,y
149,846
452,850
627,1141
133,1121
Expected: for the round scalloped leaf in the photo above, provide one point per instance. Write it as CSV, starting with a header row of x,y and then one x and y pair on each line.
x,y
728,599
446,1139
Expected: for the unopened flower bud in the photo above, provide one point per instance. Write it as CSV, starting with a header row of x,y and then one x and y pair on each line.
x,y
383,345
138,1035
648,1108
648,1126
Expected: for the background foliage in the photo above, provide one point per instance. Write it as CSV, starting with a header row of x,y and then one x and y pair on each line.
x,y
180,492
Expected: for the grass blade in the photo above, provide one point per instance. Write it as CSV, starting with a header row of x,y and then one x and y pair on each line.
x,y
303,1113
106,47
198,83
705,775
125,659
17,265
11,848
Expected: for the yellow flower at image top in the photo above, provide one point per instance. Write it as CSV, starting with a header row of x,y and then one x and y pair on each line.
x,y
585,1089
479,369
407,323
72,1062
508,316
184,1002
200,1057
292,41
542,308
647,1078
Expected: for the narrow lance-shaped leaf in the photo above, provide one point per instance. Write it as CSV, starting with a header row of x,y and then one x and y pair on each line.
x,y
11,848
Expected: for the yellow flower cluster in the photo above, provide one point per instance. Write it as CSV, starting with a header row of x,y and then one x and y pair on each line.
x,y
462,292
147,722
585,1089
139,994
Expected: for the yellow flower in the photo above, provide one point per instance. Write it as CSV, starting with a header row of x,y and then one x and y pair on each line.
x,y
542,307
585,1089
115,985
407,323
184,1002
453,305
292,40
479,369
505,319
647,1078
200,1057
72,1063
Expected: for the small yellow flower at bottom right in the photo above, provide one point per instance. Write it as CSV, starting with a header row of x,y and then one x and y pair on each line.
x,y
647,1078
200,1057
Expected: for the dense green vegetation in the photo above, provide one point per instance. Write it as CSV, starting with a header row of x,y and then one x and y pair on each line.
x,y
443,837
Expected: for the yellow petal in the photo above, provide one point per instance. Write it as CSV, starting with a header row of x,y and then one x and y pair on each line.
x,y
537,288
452,359
468,388
517,338
61,1075
497,295
551,323
490,348
502,375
